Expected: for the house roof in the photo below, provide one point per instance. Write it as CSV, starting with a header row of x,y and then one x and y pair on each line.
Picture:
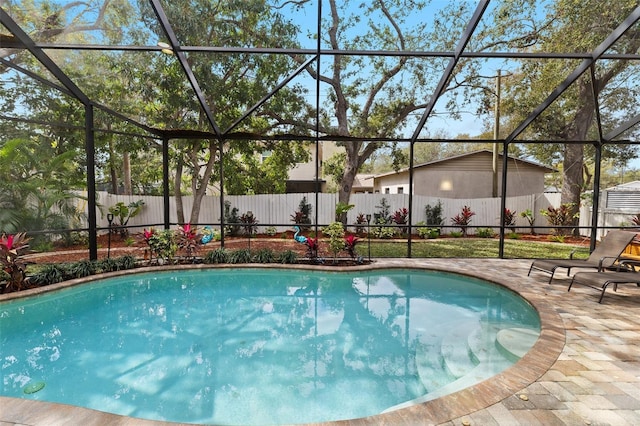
x,y
363,181
468,154
629,186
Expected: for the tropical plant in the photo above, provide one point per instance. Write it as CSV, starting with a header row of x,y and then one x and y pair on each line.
x,y
288,257
188,240
463,219
302,217
249,223
271,231
341,211
383,230
383,213
361,223
240,256
51,273
12,247
528,215
350,242
635,219
162,244
485,233
264,255
400,217
509,219
312,248
560,217
219,255
123,213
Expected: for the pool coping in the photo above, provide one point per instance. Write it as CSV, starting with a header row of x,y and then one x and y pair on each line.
x,y
526,371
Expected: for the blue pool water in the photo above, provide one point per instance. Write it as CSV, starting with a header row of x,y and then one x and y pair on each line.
x,y
258,346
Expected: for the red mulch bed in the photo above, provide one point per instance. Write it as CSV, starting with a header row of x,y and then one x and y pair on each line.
x,y
119,247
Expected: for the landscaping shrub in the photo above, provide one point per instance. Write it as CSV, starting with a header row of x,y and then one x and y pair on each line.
x,y
485,233
560,217
288,257
264,256
218,255
302,217
240,256
509,219
434,215
463,219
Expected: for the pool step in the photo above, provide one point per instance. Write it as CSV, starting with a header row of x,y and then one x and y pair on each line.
x,y
515,342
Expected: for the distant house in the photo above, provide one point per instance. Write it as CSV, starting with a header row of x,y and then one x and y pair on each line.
x,y
302,178
465,176
363,184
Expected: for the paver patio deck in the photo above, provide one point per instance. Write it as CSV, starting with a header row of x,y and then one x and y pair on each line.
x,y
588,360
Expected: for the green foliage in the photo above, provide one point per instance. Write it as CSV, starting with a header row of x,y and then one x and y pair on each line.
x,y
163,245
528,215
288,257
231,219
240,256
384,212
264,256
485,233
50,274
456,234
122,213
82,268
382,230
427,232
361,223
463,219
513,236
216,256
341,211
434,215
335,232
271,231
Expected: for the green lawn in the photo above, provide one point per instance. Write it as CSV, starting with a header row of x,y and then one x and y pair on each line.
x,y
473,247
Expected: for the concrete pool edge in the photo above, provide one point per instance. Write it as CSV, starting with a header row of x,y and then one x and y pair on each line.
x,y
491,391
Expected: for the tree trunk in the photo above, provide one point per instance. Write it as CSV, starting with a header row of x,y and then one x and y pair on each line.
x,y
201,190
177,189
126,173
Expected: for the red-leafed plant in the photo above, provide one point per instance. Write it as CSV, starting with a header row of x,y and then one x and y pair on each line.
x,y
509,219
188,240
312,248
463,219
400,217
12,247
350,242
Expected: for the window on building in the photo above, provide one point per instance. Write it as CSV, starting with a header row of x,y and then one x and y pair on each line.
x,y
400,190
387,191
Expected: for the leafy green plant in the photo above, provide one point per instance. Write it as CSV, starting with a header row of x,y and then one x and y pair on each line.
x,y
240,256
108,265
82,268
264,256
12,247
463,219
513,236
335,232
561,217
528,215
288,257
216,256
509,220
50,274
427,232
485,233
382,231
123,213
341,211
271,231
434,215
162,245
383,213
231,219
456,234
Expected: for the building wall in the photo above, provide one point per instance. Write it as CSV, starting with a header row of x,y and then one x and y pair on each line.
x,y
465,177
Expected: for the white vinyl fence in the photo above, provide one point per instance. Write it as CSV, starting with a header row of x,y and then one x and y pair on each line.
x,y
277,209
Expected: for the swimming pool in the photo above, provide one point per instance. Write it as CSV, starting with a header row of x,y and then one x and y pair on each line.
x,y
240,346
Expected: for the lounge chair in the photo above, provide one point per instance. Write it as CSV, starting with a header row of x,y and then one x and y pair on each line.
x,y
601,280
603,257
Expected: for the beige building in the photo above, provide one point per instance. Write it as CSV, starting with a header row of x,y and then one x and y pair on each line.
x,y
302,176
465,176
